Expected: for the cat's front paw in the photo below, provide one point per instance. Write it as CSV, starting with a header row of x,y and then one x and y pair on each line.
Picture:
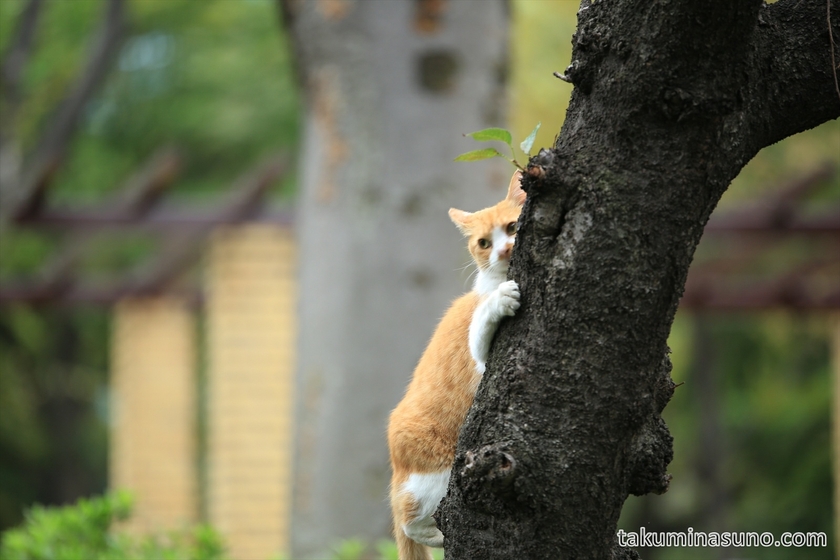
x,y
507,301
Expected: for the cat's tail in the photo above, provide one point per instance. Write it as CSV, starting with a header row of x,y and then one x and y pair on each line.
x,y
409,549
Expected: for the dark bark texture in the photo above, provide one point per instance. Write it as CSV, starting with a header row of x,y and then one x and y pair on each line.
x,y
672,98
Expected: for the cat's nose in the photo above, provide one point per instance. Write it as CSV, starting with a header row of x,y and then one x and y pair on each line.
x,y
505,253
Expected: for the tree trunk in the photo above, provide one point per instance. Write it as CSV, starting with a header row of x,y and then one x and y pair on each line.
x,y
671,99
391,86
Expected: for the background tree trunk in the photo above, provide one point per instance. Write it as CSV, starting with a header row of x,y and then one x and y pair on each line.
x,y
391,87
671,99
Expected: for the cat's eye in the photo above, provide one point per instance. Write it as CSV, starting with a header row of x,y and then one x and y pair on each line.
x,y
484,243
511,228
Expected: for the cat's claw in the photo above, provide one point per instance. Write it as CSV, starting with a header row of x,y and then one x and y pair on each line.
x,y
508,298
502,302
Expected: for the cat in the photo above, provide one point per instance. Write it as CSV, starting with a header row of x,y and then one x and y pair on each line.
x,y
423,428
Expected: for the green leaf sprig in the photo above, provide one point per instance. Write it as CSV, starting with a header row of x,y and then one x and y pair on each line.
x,y
499,135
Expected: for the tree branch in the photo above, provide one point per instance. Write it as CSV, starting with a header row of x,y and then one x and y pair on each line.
x,y
791,82
50,150
13,62
17,55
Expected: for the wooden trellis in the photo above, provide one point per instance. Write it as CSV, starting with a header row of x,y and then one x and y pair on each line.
x,y
249,282
154,358
735,283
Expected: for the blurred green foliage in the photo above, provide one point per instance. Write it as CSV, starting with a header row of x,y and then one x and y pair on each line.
x,y
773,453
90,530
53,398
357,549
542,44
86,531
212,78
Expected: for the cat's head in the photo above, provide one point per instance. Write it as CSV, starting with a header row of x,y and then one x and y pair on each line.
x,y
491,232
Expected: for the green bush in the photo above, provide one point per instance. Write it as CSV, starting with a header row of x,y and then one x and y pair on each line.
x,y
356,549
83,532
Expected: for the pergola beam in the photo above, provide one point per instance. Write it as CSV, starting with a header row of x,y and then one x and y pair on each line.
x,y
136,210
159,273
777,213
757,298
797,289
165,219
711,286
100,294
766,223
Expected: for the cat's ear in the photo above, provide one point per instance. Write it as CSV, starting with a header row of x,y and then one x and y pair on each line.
x,y
515,193
460,219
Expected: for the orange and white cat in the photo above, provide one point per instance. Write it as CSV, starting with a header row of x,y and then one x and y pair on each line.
x,y
423,429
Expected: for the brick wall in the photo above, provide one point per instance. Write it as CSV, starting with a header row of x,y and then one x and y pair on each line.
x,y
153,429
250,344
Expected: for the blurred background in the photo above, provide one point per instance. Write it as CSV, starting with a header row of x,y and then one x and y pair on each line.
x,y
224,245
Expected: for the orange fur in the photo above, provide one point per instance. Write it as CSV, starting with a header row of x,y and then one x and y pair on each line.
x,y
423,428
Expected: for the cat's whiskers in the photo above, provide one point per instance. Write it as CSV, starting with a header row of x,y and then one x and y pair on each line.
x,y
469,278
465,265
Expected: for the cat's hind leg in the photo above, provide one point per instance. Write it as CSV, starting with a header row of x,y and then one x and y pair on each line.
x,y
425,491
424,531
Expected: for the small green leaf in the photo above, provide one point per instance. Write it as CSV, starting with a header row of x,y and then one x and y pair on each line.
x,y
488,134
528,143
477,155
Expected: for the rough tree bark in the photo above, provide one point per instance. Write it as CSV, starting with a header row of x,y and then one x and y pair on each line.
x,y
671,99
